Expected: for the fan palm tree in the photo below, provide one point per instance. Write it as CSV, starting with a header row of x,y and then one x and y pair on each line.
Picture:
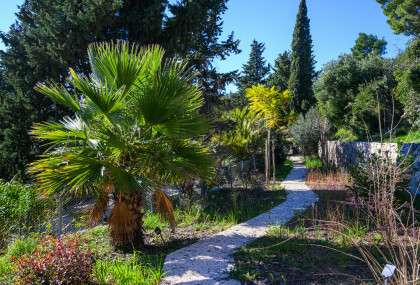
x,y
136,126
242,138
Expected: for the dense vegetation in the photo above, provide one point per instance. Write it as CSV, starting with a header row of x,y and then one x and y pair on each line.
x,y
51,36
116,100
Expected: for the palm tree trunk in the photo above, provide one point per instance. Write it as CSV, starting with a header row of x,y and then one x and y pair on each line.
x,y
134,203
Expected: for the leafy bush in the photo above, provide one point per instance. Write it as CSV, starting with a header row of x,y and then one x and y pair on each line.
x,y
56,261
307,131
408,77
409,137
313,162
21,210
345,134
348,90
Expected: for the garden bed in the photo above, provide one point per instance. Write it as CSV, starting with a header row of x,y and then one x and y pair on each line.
x,y
298,253
196,219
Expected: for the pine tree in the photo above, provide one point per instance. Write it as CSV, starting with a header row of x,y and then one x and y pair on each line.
x,y
281,72
193,34
254,72
142,21
302,63
403,16
368,44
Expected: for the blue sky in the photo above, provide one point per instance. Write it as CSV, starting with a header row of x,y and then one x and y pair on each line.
x,y
335,25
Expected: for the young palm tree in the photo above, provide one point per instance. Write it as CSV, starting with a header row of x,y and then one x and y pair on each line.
x,y
136,126
242,138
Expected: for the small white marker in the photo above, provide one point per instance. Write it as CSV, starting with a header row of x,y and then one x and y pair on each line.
x,y
388,272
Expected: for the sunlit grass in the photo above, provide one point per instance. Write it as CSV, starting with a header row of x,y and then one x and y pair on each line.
x,y
130,271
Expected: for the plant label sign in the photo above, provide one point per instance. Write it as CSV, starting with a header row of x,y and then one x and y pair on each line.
x,y
388,270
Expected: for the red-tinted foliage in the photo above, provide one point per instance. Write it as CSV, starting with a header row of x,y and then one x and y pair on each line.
x,y
56,261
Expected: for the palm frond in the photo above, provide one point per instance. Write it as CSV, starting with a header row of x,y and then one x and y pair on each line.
x,y
163,205
121,64
60,94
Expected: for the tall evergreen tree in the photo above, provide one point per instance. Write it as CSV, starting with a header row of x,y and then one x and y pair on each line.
x,y
51,35
302,63
193,34
142,21
254,72
48,36
281,72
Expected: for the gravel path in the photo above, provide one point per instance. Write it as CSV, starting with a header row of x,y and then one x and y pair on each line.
x,y
208,260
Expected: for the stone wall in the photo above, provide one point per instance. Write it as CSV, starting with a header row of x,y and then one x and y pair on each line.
x,y
343,154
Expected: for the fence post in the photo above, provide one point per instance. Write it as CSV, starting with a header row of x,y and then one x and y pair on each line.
x,y
202,190
150,203
230,174
218,177
179,197
60,214
242,171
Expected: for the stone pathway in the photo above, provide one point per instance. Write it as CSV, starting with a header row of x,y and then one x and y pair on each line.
x,y
208,260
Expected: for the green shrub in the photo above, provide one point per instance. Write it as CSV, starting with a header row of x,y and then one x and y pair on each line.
x,y
345,134
308,130
313,162
21,209
409,137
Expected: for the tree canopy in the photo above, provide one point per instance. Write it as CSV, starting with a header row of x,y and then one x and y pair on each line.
x,y
368,44
254,72
193,33
403,16
348,91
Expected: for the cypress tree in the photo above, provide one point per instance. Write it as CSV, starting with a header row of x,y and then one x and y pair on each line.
x,y
281,72
302,63
254,72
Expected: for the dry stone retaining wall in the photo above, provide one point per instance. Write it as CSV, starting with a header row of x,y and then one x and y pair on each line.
x,y
343,154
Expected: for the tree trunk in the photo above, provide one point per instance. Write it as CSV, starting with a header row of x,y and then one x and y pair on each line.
x,y
266,163
274,163
267,158
134,203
